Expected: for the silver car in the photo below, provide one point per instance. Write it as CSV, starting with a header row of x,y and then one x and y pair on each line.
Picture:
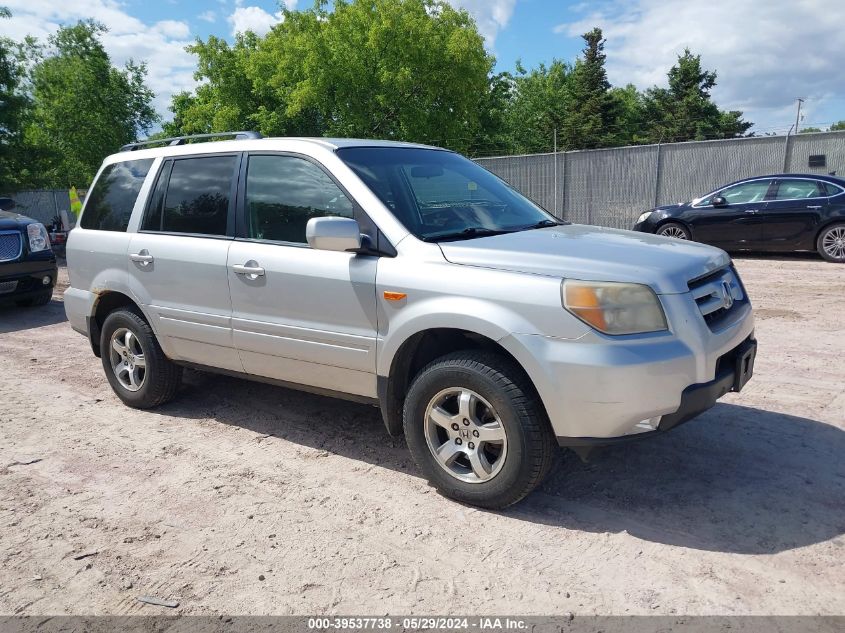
x,y
487,331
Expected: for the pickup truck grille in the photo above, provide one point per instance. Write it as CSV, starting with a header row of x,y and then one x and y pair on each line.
x,y
10,245
718,295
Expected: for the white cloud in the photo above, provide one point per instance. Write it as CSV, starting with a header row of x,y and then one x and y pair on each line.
x,y
173,29
253,19
765,55
491,16
208,16
160,45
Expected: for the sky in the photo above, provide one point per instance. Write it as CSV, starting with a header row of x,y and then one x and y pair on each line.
x,y
767,53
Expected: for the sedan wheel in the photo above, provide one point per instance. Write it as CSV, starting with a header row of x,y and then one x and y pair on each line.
x,y
832,243
673,230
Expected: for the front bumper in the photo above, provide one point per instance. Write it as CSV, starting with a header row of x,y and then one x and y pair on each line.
x,y
26,277
601,390
735,368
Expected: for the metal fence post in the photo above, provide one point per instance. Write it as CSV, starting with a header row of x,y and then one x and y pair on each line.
x,y
786,153
657,169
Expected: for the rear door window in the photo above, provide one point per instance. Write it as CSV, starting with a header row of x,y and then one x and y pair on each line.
x,y
799,189
197,196
111,200
831,189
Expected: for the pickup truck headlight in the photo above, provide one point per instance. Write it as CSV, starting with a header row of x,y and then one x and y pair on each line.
x,y
643,217
614,307
38,238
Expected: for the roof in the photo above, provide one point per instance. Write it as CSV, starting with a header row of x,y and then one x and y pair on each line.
x,y
340,143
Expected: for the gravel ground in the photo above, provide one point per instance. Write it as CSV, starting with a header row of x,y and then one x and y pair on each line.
x,y
241,498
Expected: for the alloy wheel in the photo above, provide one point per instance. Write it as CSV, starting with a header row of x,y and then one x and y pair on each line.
x,y
127,359
833,242
465,435
673,231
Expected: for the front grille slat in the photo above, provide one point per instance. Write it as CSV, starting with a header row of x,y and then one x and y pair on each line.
x,y
709,293
10,245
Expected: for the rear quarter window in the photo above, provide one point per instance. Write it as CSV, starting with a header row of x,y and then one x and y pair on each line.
x,y
110,202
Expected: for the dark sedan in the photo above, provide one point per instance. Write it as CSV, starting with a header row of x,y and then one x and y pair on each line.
x,y
28,269
789,212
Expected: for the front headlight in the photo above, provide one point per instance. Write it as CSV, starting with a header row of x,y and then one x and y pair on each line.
x,y
614,307
38,238
644,216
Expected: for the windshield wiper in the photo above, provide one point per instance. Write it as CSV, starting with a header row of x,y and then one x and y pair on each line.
x,y
465,234
542,224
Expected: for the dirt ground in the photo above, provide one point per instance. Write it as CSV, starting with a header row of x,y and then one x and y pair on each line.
x,y
241,498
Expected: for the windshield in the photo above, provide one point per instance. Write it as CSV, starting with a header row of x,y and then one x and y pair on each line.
x,y
439,195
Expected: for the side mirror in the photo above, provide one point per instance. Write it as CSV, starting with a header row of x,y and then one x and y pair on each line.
x,y
333,234
6,204
719,201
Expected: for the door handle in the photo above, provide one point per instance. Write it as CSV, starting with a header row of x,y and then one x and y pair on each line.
x,y
814,206
752,210
143,258
251,271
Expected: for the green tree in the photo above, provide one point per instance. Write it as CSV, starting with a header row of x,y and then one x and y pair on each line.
x,y
627,129
403,69
684,111
538,106
839,125
493,136
83,107
808,130
591,111
15,104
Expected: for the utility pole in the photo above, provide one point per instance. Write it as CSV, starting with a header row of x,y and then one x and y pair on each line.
x,y
798,114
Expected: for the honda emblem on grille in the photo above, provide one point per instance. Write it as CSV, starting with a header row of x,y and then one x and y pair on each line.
x,y
727,295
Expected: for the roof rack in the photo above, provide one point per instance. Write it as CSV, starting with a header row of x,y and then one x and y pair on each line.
x,y
181,140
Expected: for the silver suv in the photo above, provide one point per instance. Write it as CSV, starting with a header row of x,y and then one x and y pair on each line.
x,y
486,330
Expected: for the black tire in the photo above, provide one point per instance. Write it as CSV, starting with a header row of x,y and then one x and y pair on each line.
x,y
680,231
162,377
41,299
832,233
531,446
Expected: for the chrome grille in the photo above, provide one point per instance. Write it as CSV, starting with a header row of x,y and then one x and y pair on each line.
x,y
717,294
10,245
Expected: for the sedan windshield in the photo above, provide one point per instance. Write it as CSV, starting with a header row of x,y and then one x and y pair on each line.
x,y
439,195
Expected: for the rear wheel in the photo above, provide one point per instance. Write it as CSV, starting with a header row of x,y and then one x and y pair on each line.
x,y
136,367
831,243
673,229
477,430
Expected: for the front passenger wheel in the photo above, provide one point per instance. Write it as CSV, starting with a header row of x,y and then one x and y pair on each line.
x,y
673,229
476,428
135,365
831,243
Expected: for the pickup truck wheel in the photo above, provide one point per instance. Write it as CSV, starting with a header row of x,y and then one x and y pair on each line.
x,y
477,430
673,229
831,243
136,367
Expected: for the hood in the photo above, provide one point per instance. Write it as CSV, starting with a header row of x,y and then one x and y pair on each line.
x,y
11,220
669,207
592,253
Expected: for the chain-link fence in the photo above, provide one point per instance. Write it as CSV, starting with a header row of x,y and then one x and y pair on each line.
x,y
611,187
42,204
